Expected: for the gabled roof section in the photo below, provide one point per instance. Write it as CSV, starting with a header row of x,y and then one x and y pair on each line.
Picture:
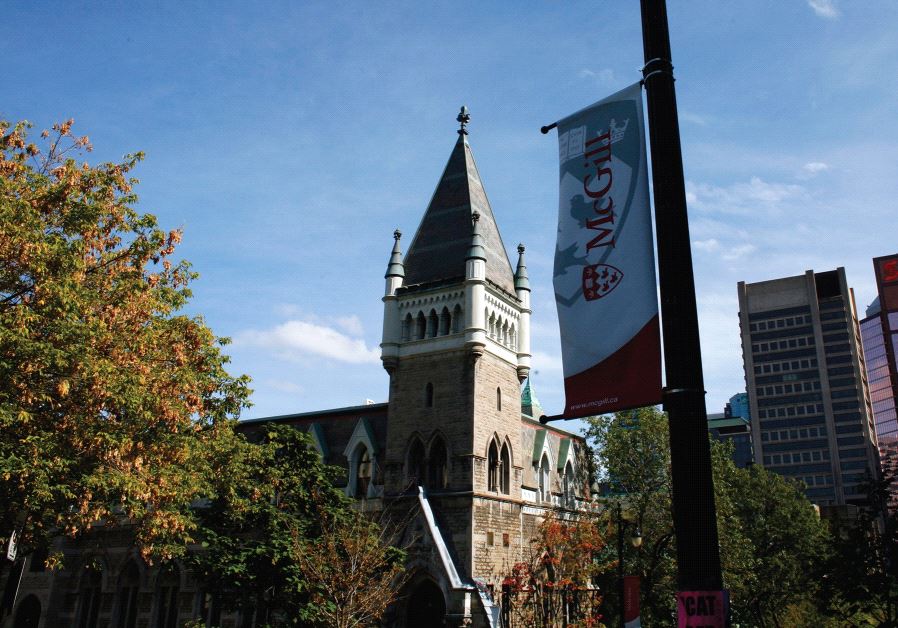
x,y
438,251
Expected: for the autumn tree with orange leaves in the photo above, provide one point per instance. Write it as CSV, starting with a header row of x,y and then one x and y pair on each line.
x,y
112,403
553,587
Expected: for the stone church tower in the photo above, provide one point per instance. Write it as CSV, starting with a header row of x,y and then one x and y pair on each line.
x,y
456,343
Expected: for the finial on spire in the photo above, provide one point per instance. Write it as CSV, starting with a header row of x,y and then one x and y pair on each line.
x,y
520,249
476,216
463,118
397,234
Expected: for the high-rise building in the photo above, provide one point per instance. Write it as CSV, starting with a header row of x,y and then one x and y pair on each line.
x,y
738,406
807,391
879,333
736,430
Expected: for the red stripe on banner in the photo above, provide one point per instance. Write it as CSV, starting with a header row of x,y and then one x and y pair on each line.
x,y
628,378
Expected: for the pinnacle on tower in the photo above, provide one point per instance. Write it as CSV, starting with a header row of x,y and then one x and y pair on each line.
x,y
395,268
521,281
476,251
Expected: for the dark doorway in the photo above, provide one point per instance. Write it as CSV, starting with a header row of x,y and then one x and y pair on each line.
x,y
29,613
426,606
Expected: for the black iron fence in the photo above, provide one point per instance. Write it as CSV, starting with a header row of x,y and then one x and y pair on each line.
x,y
546,606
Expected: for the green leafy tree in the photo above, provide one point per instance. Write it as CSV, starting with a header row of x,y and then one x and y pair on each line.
x,y
633,461
773,543
282,543
861,582
110,399
352,571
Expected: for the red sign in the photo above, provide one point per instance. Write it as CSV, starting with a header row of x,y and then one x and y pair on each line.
x,y
702,609
631,602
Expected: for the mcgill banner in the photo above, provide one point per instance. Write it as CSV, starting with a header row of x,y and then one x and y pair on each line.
x,y
605,286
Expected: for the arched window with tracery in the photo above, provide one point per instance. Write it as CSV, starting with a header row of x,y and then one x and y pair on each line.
x,y
438,465
416,469
90,593
505,470
568,486
126,598
544,485
362,471
168,588
492,466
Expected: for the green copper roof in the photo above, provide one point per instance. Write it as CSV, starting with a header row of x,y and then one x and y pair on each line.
x,y
440,246
529,403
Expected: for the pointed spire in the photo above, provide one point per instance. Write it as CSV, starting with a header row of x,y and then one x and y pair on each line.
x,y
529,403
521,281
396,268
476,251
437,253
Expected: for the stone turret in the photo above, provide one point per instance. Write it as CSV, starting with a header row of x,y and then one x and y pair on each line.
x,y
522,290
475,292
392,328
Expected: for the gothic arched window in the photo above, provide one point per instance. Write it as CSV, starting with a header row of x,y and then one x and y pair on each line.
x,y
362,471
433,323
407,327
420,326
457,319
544,486
416,471
492,466
568,486
438,465
505,470
445,321
168,588
126,599
89,594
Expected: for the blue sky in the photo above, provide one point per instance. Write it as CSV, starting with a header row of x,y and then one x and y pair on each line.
x,y
288,140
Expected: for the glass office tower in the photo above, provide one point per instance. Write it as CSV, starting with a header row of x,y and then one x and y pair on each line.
x,y
807,392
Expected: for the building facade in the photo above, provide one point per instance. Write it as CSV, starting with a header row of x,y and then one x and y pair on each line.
x,y
806,384
879,332
457,448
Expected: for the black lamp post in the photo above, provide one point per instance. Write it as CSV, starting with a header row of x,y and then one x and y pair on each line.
x,y
635,541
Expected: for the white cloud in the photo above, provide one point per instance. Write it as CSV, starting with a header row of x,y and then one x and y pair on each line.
x,y
604,76
733,253
296,340
350,324
708,246
812,169
824,8
744,198
694,118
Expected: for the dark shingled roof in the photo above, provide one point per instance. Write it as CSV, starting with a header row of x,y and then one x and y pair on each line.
x,y
438,251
